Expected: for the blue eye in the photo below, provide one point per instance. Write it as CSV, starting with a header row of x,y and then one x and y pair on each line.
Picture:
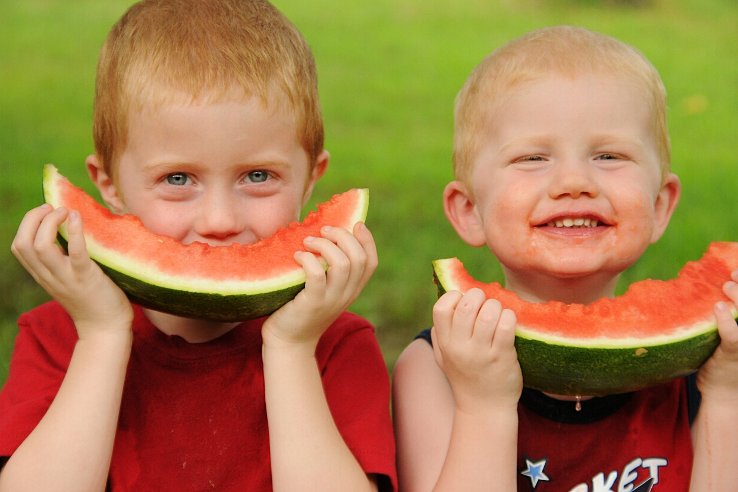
x,y
258,176
177,179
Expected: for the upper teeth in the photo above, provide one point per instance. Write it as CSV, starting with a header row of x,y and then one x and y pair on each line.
x,y
574,222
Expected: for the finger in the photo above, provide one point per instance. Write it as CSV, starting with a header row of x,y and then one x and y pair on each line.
x,y
76,246
35,244
28,228
315,279
352,248
727,327
366,239
443,315
466,314
730,288
487,319
504,335
346,262
45,243
337,263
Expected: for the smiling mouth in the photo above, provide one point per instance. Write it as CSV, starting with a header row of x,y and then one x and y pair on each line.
x,y
573,222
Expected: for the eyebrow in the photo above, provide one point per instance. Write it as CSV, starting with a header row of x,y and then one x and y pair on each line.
x,y
176,165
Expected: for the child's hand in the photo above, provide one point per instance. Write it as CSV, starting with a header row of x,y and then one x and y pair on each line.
x,y
92,300
718,377
351,261
473,341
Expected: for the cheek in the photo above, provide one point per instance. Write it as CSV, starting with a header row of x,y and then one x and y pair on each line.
x,y
267,217
164,221
506,206
637,213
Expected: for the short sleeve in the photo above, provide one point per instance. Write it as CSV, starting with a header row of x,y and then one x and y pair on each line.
x,y
43,348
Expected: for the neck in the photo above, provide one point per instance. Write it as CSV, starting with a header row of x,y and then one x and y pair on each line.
x,y
192,330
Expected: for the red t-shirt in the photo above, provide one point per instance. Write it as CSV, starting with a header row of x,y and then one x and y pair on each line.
x,y
193,416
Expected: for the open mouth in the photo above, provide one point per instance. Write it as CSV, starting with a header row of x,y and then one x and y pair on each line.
x,y
572,222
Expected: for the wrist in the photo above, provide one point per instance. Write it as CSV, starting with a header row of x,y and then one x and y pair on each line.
x,y
108,339
275,346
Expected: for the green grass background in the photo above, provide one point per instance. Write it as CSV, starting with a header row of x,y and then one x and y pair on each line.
x,y
389,71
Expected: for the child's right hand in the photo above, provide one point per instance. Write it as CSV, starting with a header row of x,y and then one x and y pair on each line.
x,y
718,377
473,342
92,300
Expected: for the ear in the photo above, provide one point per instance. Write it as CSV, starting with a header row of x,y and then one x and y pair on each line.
x,y
319,168
461,211
105,185
666,202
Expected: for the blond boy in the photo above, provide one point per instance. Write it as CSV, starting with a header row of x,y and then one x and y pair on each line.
x,y
562,166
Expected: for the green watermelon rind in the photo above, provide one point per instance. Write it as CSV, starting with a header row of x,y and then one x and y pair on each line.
x,y
579,370
191,304
197,304
599,366
218,300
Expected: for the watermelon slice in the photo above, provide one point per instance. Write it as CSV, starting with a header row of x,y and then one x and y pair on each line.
x,y
656,331
224,283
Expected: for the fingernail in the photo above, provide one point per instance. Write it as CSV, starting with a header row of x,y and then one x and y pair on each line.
x,y
721,306
326,229
734,276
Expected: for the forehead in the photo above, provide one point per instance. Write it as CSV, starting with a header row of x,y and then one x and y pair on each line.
x,y
583,102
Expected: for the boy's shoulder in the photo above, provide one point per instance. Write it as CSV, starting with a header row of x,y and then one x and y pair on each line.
x,y
349,326
47,310
50,318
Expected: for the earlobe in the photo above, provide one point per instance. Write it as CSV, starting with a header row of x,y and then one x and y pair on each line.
x,y
666,202
461,211
105,184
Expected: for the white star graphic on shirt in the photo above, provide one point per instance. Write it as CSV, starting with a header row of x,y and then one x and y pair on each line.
x,y
535,471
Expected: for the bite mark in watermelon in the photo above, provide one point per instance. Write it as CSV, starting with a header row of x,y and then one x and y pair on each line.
x,y
223,283
656,331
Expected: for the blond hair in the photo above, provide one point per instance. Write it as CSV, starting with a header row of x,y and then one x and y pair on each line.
x,y
564,50
166,51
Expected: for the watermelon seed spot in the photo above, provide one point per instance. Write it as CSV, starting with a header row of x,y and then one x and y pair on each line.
x,y
641,352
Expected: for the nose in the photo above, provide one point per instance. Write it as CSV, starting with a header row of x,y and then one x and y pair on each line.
x,y
573,177
219,217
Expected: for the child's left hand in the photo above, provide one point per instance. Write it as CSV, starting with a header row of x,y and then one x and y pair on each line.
x,y
351,260
718,377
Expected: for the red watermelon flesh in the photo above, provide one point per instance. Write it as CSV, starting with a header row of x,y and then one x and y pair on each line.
x,y
654,319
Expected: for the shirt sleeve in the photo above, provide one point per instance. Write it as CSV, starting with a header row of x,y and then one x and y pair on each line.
x,y
43,348
356,383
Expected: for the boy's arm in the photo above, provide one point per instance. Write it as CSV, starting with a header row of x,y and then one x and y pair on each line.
x,y
714,432
456,410
305,444
70,448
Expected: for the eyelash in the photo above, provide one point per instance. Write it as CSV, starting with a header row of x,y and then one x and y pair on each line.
x,y
608,156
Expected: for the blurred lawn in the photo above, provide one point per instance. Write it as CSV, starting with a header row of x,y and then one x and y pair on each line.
x,y
389,71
